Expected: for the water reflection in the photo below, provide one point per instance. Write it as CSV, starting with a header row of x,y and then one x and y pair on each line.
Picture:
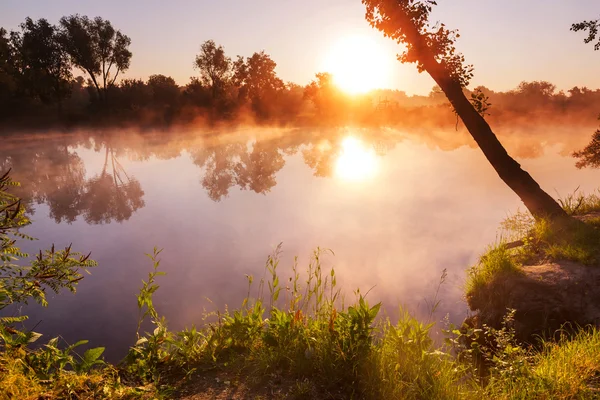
x,y
111,195
53,172
355,161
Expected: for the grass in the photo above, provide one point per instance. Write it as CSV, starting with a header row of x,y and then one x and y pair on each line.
x,y
540,241
300,333
566,369
578,203
495,263
18,380
301,338
303,333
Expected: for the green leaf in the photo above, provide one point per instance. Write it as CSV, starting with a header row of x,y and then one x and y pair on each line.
x,y
79,343
90,356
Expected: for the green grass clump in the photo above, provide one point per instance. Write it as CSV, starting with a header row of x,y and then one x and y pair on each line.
x,y
578,203
550,241
303,333
497,261
21,380
566,369
404,364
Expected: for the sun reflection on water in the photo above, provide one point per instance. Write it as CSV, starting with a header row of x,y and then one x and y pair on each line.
x,y
356,162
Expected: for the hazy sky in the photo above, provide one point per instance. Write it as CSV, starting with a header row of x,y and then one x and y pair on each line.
x,y
508,41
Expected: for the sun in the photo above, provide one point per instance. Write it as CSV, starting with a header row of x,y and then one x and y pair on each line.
x,y
358,64
355,161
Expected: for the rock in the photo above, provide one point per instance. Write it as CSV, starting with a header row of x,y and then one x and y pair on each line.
x,y
545,297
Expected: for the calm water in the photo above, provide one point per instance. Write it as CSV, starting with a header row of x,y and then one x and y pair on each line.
x,y
396,208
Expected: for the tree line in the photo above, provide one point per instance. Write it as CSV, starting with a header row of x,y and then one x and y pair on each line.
x,y
73,73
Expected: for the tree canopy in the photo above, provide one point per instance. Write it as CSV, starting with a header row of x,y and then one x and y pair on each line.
x,y
214,66
95,47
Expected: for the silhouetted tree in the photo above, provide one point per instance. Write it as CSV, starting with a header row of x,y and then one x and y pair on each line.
x,y
134,94
214,66
591,27
42,63
257,81
432,48
325,96
196,93
96,47
164,90
8,85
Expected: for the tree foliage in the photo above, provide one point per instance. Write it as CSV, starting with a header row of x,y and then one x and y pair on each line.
x,y
214,66
591,27
22,278
43,67
407,22
95,47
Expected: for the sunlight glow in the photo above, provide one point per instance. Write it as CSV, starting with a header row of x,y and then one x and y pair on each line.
x,y
358,65
356,162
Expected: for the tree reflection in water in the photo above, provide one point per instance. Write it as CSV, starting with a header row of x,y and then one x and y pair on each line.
x,y
53,173
112,195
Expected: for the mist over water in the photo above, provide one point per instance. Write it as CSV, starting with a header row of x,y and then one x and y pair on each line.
x,y
220,205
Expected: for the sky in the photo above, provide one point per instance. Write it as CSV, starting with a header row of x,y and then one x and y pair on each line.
x,y
507,41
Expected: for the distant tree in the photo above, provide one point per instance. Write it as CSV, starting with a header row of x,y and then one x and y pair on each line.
x,y
592,27
97,48
536,89
164,90
196,93
325,96
43,64
215,67
7,71
290,102
431,47
257,80
134,94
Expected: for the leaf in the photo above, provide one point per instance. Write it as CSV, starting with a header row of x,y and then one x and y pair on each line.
x,y
140,341
34,336
90,357
374,310
79,343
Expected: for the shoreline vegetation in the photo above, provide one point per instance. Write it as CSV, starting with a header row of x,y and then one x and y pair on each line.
x,y
301,337
63,76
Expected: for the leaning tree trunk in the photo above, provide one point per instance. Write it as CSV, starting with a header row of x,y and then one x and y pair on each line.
x,y
537,201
